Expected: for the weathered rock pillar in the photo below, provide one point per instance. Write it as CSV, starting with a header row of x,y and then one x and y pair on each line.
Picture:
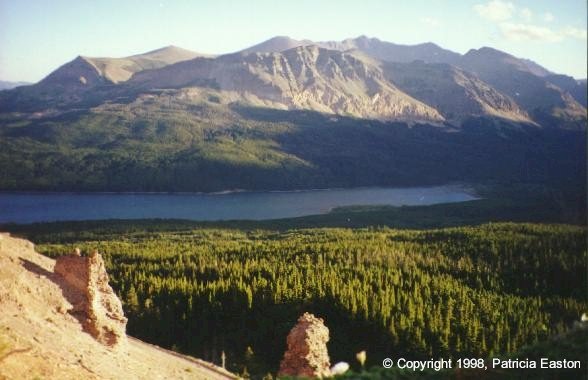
x,y
307,353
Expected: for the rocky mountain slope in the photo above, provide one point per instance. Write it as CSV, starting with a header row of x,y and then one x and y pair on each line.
x,y
547,97
276,45
455,93
576,88
75,80
547,103
115,70
387,51
360,77
373,47
306,77
118,70
42,335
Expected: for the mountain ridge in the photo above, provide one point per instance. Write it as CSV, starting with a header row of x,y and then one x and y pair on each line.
x,y
546,102
122,69
461,94
303,77
342,78
362,77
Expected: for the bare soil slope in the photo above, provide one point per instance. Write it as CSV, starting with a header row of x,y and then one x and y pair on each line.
x,y
40,339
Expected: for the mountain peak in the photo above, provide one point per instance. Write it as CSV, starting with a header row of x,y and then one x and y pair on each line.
x,y
118,70
77,74
281,39
276,44
430,44
168,48
487,51
363,37
362,41
81,58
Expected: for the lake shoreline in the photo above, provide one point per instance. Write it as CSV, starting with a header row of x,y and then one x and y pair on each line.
x,y
463,186
31,207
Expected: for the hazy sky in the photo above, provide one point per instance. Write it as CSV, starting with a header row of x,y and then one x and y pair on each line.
x,y
38,36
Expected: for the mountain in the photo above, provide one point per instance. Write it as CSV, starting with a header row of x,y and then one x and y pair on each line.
x,y
41,335
5,85
71,82
372,47
387,51
276,45
455,93
118,70
576,88
545,102
351,77
268,72
89,71
305,77
535,68
62,87
360,113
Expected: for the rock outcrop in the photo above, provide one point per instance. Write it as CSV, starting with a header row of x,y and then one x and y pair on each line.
x,y
41,337
307,353
94,302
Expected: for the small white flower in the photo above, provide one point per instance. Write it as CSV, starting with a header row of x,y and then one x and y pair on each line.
x,y
339,368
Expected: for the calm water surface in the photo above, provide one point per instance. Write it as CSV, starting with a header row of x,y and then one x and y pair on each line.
x,y
42,207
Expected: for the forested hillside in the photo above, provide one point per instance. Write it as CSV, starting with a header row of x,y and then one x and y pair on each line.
x,y
474,291
196,141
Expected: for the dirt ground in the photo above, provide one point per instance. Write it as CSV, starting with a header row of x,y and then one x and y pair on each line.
x,y
39,339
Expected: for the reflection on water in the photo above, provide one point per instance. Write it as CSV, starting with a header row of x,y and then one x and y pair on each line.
x,y
40,207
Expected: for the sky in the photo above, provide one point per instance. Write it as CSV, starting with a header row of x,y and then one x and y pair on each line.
x,y
38,36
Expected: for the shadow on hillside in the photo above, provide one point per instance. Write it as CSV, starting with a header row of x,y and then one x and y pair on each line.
x,y
72,295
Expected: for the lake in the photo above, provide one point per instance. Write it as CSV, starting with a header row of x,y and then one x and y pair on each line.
x,y
27,207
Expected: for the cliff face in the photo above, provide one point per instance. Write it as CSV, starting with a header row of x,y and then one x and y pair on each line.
x,y
455,93
61,320
306,77
97,307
